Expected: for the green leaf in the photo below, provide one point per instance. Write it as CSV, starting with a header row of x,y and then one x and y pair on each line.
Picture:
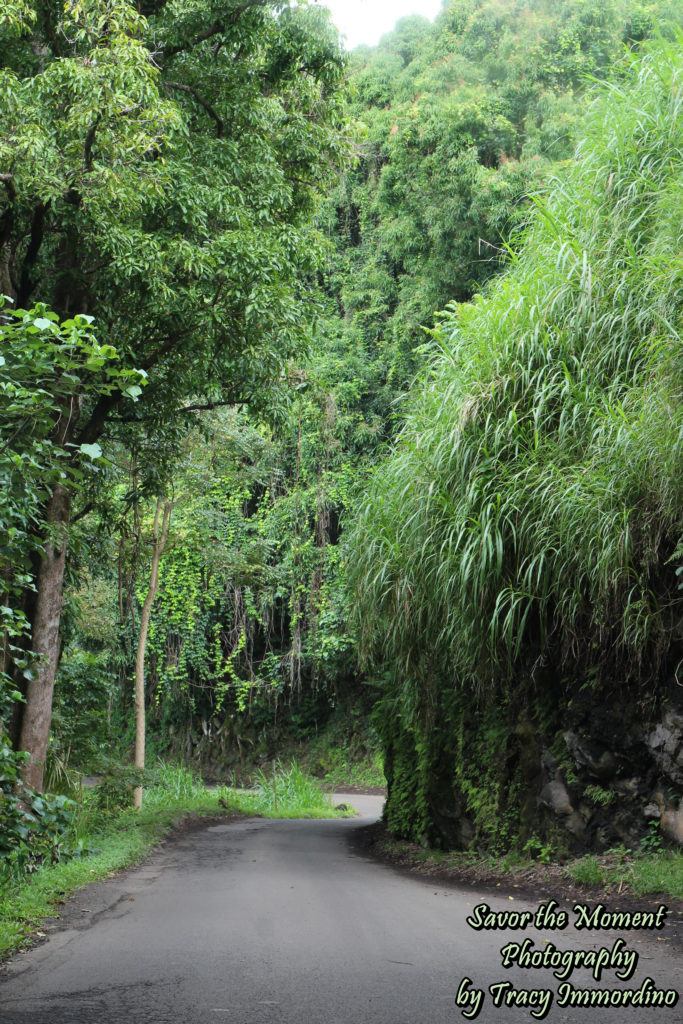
x,y
93,451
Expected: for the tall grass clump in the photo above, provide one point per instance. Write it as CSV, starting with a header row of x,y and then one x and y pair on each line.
x,y
287,792
530,518
173,783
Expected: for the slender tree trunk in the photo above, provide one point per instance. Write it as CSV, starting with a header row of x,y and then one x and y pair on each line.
x,y
37,712
4,639
158,542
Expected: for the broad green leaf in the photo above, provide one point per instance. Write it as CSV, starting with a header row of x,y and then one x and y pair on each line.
x,y
93,451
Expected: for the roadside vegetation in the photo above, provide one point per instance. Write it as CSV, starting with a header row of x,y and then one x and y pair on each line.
x,y
287,792
346,752
516,561
340,421
616,873
95,832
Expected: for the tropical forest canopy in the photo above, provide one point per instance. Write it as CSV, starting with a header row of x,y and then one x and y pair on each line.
x,y
394,338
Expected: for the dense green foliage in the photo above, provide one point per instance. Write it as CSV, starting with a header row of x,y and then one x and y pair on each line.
x,y
43,362
34,829
454,131
180,219
265,230
41,367
159,173
461,120
528,524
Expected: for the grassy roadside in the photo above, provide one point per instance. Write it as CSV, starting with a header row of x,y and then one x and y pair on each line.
x,y
619,872
642,874
287,793
123,838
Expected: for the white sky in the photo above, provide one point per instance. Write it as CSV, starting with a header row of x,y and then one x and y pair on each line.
x,y
364,21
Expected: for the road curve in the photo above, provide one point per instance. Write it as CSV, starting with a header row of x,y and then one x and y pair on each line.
x,y
281,922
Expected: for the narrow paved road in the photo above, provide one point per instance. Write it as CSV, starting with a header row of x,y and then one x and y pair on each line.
x,y
264,922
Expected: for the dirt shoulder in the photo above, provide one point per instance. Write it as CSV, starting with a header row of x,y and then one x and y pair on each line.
x,y
533,882
360,790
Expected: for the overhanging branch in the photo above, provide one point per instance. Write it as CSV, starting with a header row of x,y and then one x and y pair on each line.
x,y
27,283
7,180
215,29
89,139
208,406
202,103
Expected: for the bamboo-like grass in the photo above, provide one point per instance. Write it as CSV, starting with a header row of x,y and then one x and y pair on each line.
x,y
532,507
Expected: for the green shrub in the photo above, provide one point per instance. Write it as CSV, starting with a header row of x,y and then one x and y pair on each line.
x,y
35,829
114,791
172,783
286,793
587,871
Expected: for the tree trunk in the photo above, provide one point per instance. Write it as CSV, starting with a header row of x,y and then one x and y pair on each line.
x,y
37,712
158,543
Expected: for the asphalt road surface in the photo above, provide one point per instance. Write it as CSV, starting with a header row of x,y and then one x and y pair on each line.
x,y
282,922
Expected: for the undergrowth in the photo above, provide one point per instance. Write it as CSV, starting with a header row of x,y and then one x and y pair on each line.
x,y
615,873
641,873
286,793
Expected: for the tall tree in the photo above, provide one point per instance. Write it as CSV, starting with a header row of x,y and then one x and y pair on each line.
x,y
159,166
42,361
159,534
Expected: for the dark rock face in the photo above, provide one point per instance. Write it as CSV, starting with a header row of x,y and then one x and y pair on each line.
x,y
573,770
665,742
621,771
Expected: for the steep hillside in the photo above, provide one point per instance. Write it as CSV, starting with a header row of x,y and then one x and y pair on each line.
x,y
517,561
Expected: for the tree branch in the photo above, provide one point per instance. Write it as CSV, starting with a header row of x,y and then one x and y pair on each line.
x,y
207,406
215,29
22,424
171,51
202,103
89,139
73,195
27,284
106,404
84,512
197,407
171,339
165,347
7,219
298,181
8,181
92,430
